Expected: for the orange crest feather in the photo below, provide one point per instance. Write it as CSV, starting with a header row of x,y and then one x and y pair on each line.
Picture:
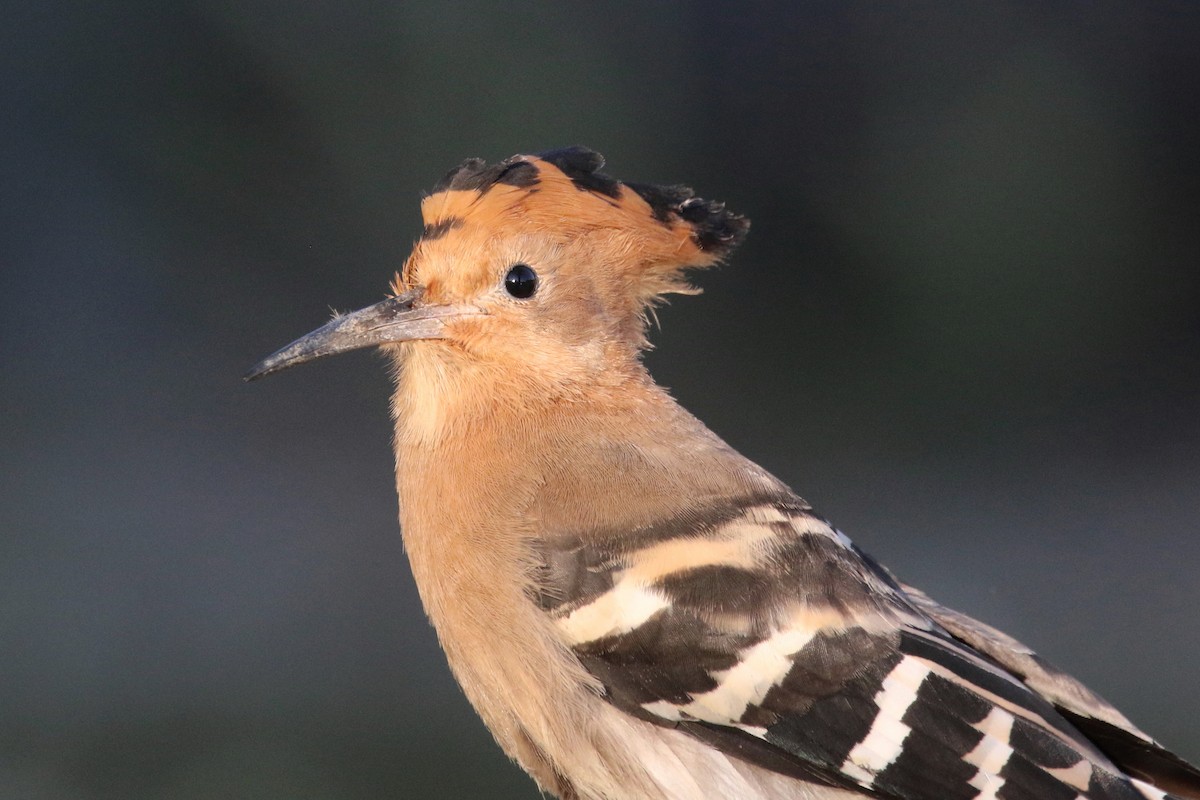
x,y
651,233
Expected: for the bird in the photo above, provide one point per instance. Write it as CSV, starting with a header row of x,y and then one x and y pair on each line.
x,y
635,609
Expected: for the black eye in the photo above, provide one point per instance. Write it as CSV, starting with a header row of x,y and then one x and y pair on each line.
x,y
521,281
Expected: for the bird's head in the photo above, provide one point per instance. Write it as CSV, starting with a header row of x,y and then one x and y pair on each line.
x,y
536,265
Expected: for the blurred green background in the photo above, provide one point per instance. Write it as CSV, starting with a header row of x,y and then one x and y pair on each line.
x,y
966,326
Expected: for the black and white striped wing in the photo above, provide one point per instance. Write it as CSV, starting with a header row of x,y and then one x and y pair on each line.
x,y
762,630
1134,752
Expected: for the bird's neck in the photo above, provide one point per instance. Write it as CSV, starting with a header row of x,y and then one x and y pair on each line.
x,y
485,469
485,464
473,456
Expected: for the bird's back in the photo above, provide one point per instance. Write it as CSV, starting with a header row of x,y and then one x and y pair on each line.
x,y
750,624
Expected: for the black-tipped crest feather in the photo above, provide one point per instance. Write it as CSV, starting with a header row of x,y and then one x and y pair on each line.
x,y
715,229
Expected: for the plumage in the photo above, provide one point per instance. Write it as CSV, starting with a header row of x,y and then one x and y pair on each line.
x,y
635,609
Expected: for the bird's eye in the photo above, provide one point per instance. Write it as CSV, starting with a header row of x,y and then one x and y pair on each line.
x,y
521,281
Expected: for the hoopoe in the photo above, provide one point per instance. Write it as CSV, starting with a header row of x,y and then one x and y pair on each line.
x,y
635,609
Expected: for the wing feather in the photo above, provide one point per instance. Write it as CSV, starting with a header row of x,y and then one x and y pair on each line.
x,y
1133,751
758,628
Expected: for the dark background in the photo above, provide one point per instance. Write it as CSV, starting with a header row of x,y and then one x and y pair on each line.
x,y
966,326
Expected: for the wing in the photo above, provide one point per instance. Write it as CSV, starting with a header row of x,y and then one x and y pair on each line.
x,y
755,626
1131,750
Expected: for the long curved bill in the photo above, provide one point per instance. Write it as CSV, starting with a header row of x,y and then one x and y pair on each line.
x,y
396,319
